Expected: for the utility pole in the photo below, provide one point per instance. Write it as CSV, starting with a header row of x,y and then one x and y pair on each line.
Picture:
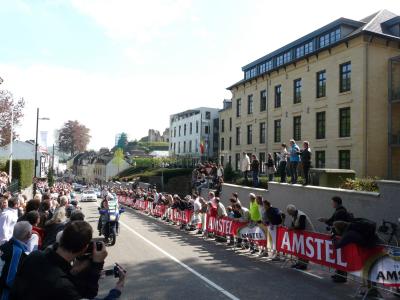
x,y
11,144
36,150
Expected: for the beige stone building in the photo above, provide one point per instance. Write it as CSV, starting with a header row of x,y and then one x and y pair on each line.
x,y
337,87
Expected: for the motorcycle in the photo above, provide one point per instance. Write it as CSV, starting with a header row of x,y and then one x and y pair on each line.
x,y
110,228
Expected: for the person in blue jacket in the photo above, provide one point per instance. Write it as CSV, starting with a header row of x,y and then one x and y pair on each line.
x,y
294,152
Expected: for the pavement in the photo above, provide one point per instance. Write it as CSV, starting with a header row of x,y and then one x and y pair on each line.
x,y
164,262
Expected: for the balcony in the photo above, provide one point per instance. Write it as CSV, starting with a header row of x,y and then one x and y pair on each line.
x,y
395,139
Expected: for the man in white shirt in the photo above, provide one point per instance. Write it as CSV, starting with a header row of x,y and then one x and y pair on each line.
x,y
245,165
8,219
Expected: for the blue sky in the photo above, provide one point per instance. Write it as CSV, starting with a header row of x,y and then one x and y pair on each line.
x,y
126,65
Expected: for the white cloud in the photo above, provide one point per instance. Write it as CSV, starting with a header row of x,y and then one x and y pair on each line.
x,y
135,20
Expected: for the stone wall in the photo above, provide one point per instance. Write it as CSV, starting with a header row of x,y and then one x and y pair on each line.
x,y
316,201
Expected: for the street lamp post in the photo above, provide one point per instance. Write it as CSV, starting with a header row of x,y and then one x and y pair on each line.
x,y
36,148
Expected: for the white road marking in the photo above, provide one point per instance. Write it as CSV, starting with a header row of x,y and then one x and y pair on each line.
x,y
194,272
308,273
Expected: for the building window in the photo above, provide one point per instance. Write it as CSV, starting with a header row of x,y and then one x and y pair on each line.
x,y
262,68
222,125
344,122
279,60
308,47
324,40
230,143
263,100
174,131
287,57
222,144
278,95
237,161
297,91
190,128
197,126
253,72
250,104
184,147
237,135
179,147
269,65
230,160
344,159
249,134
300,51
297,128
262,133
345,77
320,159
238,107
206,129
321,84
335,35
320,117
208,115
277,131
174,148
184,129
261,158
230,124
190,146
179,130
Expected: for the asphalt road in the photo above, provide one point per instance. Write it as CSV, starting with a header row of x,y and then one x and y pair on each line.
x,y
164,262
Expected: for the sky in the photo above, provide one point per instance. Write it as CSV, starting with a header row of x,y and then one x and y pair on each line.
x,y
126,65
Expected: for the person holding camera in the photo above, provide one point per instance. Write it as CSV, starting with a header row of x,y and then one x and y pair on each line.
x,y
340,214
70,270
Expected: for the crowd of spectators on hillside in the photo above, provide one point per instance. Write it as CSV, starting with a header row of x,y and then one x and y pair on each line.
x,y
44,248
207,175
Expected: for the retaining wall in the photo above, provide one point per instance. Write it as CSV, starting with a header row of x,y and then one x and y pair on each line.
x,y
315,201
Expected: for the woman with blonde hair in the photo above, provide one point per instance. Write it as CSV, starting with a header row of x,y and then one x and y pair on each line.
x,y
53,226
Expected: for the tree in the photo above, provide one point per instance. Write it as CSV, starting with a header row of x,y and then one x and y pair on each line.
x,y
7,105
118,158
122,141
74,137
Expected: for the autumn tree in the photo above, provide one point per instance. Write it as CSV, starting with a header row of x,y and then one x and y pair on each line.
x,y
118,158
74,137
9,104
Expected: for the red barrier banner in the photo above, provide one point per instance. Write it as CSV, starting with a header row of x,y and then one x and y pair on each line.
x,y
223,226
183,217
159,210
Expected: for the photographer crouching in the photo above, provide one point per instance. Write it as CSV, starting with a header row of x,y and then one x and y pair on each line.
x,y
70,270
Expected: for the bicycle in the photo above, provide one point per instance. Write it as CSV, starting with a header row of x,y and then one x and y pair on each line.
x,y
387,232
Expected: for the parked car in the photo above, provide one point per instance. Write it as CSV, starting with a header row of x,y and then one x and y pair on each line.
x,y
89,195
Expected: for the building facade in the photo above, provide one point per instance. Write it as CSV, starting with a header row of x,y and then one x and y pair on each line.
x,y
337,87
192,134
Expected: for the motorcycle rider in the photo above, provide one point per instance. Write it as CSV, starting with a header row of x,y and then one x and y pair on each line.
x,y
105,211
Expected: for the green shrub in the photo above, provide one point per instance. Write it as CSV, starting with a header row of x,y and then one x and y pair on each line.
x,y
229,174
23,171
361,184
263,182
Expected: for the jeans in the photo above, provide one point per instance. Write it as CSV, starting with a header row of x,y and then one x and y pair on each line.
x,y
306,171
255,179
293,171
246,175
282,170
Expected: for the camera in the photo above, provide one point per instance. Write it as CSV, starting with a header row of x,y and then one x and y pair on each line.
x,y
99,246
114,271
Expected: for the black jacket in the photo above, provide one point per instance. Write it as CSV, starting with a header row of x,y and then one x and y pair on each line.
x,y
340,214
306,157
45,275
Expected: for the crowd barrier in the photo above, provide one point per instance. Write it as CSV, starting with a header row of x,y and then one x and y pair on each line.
x,y
379,264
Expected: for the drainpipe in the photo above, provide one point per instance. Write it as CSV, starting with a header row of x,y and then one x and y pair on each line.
x,y
366,108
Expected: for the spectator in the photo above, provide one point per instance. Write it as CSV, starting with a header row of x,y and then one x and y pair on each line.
x,y
36,240
300,221
340,214
13,254
255,170
31,205
254,211
220,171
8,219
48,275
211,197
221,211
53,226
245,166
4,202
294,160
271,169
45,212
272,215
236,196
283,162
306,161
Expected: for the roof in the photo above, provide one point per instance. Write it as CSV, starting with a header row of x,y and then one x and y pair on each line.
x,y
377,23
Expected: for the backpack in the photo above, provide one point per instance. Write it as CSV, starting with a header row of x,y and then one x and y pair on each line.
x,y
366,228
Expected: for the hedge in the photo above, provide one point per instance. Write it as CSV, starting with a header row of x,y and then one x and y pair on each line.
x,y
23,171
167,174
